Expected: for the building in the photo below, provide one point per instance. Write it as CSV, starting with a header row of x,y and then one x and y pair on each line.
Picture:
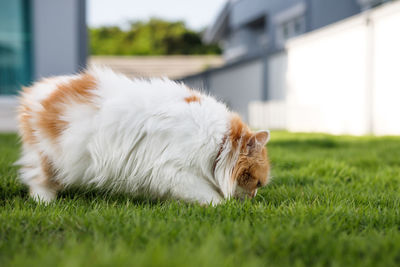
x,y
38,38
247,28
253,34
341,79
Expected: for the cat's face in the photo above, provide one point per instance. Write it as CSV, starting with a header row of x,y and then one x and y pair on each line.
x,y
252,168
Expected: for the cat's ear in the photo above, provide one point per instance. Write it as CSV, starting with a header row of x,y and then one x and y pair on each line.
x,y
259,139
263,137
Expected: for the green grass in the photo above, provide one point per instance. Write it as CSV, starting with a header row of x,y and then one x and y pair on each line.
x,y
334,201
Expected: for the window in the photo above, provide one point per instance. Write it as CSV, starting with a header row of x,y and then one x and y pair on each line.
x,y
285,31
257,24
15,54
290,29
298,26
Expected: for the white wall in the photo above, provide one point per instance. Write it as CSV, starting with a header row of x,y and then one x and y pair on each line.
x,y
327,80
386,70
8,113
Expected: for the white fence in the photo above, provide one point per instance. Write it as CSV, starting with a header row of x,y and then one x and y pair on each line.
x,y
8,114
342,79
268,115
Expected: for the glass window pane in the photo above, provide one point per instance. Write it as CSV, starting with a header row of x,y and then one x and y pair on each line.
x,y
298,27
286,31
15,54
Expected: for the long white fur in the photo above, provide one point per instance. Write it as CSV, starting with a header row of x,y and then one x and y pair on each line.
x,y
139,137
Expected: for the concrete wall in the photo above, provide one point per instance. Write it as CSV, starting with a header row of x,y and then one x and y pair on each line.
x,y
59,40
238,85
276,73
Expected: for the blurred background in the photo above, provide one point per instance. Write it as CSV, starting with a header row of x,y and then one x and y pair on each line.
x,y
329,66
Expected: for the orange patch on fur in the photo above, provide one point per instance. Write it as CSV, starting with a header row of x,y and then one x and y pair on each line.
x,y
192,98
47,178
78,90
25,117
239,132
47,167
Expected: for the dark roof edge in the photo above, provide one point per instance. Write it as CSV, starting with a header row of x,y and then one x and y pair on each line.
x,y
224,67
213,32
232,64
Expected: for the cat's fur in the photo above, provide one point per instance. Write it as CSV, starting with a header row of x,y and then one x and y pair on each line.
x,y
143,137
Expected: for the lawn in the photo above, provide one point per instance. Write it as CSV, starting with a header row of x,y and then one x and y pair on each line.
x,y
334,201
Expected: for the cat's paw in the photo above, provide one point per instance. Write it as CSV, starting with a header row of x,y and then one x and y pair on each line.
x,y
42,195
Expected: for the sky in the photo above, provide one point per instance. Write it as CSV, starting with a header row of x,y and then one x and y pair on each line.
x,y
197,14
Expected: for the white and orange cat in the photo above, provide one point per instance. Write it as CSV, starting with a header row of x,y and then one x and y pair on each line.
x,y
142,137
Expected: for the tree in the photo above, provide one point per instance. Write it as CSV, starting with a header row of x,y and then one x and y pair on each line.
x,y
154,37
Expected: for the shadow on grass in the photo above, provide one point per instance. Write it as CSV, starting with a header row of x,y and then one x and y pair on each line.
x,y
92,195
87,196
337,142
309,143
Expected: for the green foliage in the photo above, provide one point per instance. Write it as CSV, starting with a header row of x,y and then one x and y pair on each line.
x,y
334,201
155,37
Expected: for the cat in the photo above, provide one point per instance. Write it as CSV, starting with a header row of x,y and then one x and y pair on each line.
x,y
155,137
